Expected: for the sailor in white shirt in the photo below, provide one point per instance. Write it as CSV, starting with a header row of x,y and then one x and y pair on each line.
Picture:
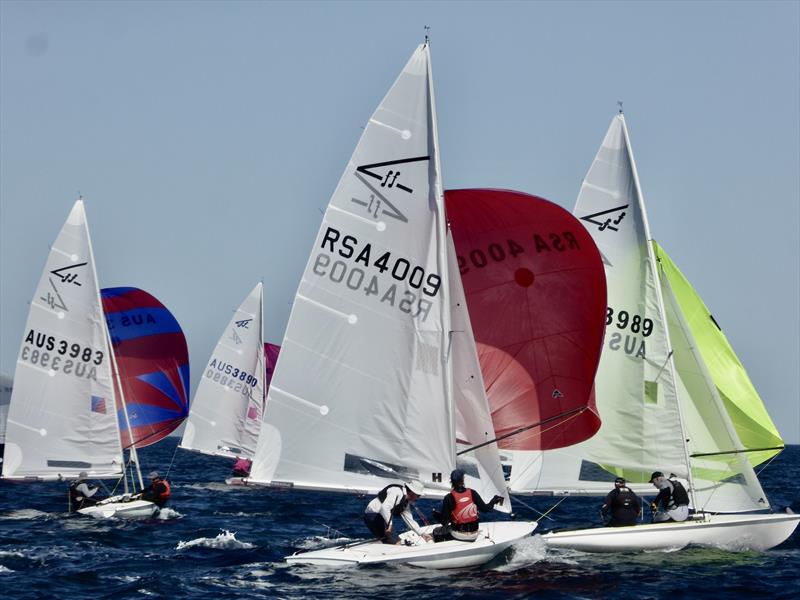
x,y
394,500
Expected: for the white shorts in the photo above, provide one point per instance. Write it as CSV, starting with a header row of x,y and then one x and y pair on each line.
x,y
679,513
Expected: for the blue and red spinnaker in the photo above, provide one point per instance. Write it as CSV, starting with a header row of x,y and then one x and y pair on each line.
x,y
153,363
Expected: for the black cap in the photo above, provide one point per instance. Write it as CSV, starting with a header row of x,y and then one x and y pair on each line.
x,y
619,480
457,476
655,474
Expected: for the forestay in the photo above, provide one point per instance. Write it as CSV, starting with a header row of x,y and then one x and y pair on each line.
x,y
361,393
62,419
228,405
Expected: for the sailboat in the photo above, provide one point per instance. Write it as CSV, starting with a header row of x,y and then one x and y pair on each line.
x,y
228,407
672,395
378,376
63,417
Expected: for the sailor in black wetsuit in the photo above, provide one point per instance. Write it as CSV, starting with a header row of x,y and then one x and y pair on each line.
x,y
624,505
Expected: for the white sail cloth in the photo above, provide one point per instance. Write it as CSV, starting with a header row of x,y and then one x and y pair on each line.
x,y
63,418
228,406
362,394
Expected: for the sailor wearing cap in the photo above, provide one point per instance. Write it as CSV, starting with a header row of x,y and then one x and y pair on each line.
x,y
672,502
394,500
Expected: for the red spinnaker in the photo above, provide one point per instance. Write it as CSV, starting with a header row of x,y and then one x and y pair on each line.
x,y
536,294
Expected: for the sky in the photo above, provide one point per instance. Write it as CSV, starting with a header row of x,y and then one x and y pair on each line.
x,y
206,139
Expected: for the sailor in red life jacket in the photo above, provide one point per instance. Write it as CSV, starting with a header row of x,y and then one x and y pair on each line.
x,y
393,501
459,516
158,491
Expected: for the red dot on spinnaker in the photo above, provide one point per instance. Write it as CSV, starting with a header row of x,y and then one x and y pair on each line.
x,y
523,277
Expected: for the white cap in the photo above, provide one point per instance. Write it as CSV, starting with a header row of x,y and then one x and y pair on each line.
x,y
416,487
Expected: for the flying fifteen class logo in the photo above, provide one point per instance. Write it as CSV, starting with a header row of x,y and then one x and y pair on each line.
x,y
243,323
607,219
68,274
387,176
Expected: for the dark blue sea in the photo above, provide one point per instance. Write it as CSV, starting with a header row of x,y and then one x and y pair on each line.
x,y
216,541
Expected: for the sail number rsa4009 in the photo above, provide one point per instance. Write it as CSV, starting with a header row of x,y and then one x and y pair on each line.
x,y
364,266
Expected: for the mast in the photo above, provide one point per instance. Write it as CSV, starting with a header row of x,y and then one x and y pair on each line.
x,y
442,227
114,375
662,311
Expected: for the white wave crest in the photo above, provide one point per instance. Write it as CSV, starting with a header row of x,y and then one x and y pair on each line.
x,y
318,541
526,552
167,513
26,513
214,486
5,569
224,541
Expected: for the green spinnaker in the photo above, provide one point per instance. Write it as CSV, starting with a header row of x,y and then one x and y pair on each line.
x,y
753,424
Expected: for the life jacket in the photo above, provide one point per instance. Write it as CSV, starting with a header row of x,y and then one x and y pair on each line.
x,y
401,506
625,498
465,511
163,496
680,496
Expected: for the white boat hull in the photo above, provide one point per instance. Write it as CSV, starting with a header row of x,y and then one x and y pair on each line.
x,y
493,539
120,508
735,532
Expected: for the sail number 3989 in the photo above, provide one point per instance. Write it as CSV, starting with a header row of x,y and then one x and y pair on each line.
x,y
623,319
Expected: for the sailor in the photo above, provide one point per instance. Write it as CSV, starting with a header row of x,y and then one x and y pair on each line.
x,y
82,493
624,504
672,502
394,500
158,491
459,516
241,468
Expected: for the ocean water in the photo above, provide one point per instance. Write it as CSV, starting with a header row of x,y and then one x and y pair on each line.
x,y
215,541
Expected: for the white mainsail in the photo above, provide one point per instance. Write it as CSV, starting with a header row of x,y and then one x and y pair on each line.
x,y
361,394
228,406
63,418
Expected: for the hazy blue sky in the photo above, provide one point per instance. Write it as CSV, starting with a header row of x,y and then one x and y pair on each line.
x,y
206,138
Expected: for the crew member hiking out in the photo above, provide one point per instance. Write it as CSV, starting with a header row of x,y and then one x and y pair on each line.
x,y
82,493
